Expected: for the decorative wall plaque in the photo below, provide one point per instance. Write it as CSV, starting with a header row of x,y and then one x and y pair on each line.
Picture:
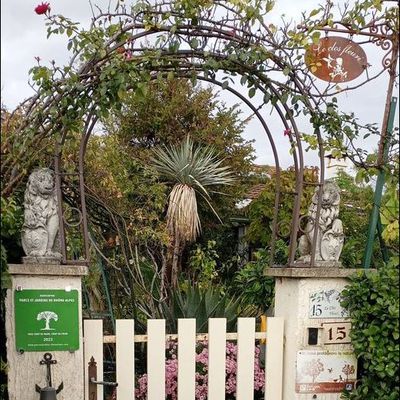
x,y
326,304
336,59
321,371
46,320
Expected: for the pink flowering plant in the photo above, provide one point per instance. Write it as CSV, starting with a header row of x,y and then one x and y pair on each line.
x,y
171,373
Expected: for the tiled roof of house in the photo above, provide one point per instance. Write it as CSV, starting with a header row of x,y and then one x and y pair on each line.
x,y
255,191
264,168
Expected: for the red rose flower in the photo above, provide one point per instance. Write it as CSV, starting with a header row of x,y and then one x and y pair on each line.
x,y
42,8
287,132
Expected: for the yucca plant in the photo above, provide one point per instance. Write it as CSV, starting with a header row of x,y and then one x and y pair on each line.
x,y
193,170
202,304
199,303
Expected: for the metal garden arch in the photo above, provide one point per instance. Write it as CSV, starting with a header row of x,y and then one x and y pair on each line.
x,y
196,41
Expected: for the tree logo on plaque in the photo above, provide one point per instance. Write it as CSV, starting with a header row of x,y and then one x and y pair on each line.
x,y
48,316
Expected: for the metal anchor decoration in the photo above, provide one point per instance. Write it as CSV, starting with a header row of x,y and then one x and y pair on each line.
x,y
48,392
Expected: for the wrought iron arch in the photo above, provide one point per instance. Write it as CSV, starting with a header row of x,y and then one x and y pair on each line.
x,y
234,42
298,162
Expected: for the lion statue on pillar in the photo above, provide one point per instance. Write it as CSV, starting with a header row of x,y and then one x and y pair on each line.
x,y
41,223
330,237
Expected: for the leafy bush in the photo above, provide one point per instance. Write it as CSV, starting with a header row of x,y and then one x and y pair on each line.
x,y
251,284
356,200
11,225
11,222
372,300
261,210
203,264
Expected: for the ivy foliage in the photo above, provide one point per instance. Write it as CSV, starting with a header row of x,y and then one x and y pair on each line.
x,y
372,300
203,265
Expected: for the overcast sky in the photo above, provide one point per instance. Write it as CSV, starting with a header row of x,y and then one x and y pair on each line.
x,y
23,37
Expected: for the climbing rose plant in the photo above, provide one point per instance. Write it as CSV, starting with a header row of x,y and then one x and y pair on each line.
x,y
42,8
235,37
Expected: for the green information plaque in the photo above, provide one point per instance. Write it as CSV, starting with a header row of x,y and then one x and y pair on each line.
x,y
46,320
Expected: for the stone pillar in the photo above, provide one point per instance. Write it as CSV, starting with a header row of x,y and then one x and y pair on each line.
x,y
318,357
24,369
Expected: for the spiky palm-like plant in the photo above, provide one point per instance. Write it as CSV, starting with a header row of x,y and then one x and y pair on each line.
x,y
193,170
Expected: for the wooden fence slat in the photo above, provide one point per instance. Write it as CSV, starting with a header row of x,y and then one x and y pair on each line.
x,y
93,347
125,356
217,337
216,358
186,358
274,359
245,359
156,359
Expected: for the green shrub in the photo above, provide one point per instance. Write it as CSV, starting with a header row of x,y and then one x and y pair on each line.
x,y
251,284
203,265
372,300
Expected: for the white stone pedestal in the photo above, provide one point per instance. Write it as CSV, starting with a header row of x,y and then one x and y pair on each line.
x,y
24,370
308,298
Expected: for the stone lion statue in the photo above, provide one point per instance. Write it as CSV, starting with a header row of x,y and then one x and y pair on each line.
x,y
40,228
330,235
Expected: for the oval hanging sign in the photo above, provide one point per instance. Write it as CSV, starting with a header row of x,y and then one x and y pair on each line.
x,y
336,59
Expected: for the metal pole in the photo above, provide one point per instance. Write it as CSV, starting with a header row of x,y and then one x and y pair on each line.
x,y
389,99
379,188
108,297
384,249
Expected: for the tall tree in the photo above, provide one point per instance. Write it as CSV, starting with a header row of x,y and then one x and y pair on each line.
x,y
172,109
193,171
119,174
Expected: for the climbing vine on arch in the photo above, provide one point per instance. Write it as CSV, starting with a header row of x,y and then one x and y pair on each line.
x,y
228,43
128,45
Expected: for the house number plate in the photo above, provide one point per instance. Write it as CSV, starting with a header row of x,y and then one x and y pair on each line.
x,y
326,304
336,332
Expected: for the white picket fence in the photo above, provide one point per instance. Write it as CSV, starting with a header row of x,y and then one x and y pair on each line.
x,y
156,344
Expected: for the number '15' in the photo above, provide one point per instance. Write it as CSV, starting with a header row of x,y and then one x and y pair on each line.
x,y
340,333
